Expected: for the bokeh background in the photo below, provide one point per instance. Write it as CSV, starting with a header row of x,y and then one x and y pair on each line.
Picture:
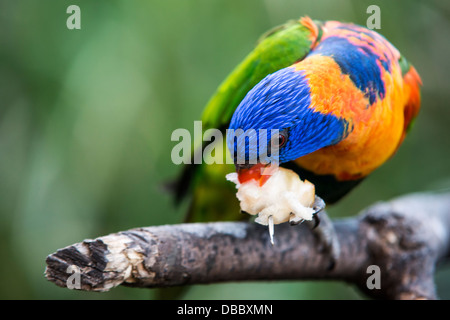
x,y
86,117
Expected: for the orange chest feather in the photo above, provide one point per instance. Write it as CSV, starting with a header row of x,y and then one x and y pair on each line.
x,y
377,129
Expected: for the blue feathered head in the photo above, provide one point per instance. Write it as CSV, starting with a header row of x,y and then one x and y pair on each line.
x,y
280,106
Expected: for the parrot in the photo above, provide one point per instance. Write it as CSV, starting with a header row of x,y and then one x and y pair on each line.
x,y
342,97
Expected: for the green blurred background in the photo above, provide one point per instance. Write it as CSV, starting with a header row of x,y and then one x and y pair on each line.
x,y
86,117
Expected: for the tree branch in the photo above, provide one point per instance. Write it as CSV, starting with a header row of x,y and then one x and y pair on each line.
x,y
405,238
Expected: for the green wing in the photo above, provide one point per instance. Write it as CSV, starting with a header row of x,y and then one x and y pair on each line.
x,y
276,49
214,198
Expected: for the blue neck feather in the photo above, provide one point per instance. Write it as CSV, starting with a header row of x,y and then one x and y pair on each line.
x,y
282,101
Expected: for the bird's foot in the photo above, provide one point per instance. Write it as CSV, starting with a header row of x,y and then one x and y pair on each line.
x,y
324,232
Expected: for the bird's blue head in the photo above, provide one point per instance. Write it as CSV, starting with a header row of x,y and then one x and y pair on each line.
x,y
276,123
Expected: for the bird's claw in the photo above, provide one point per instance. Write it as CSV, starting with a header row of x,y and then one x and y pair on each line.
x,y
324,232
326,238
316,221
294,220
318,205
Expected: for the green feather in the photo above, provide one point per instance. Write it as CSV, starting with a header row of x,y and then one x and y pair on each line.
x,y
404,65
276,49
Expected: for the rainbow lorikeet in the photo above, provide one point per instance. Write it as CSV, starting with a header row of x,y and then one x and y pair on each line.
x,y
341,96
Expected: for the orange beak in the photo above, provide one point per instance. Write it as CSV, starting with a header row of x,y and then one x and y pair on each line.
x,y
259,172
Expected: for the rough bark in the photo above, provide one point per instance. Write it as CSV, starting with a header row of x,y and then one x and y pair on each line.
x,y
405,238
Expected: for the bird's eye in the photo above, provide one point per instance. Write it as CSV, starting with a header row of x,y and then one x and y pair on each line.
x,y
281,140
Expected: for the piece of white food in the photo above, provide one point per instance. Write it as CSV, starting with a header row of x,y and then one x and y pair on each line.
x,y
283,197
